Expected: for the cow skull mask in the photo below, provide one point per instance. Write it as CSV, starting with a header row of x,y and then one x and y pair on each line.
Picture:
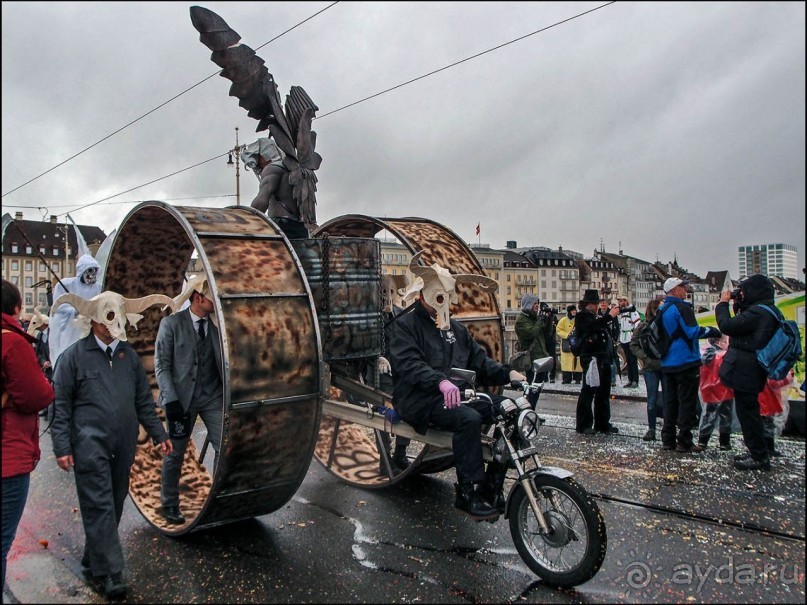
x,y
438,288
197,283
110,309
392,287
38,320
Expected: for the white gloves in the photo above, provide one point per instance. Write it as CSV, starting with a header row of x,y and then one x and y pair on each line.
x,y
384,366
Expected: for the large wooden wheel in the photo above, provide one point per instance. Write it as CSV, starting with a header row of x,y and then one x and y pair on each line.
x,y
270,349
351,449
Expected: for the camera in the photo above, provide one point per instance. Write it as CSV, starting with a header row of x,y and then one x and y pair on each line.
x,y
736,294
547,310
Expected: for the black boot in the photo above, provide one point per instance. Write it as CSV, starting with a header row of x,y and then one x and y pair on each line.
x,y
752,464
469,502
725,441
772,451
399,460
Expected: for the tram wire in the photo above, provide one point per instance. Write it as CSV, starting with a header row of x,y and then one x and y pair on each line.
x,y
161,105
445,67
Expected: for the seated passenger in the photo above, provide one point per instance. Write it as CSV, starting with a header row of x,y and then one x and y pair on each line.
x,y
425,345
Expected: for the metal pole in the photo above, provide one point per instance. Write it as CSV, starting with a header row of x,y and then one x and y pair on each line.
x,y
237,170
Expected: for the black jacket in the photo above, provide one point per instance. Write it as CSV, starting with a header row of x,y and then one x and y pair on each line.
x,y
422,356
748,331
596,332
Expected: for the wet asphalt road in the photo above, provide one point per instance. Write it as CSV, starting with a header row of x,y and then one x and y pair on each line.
x,y
680,528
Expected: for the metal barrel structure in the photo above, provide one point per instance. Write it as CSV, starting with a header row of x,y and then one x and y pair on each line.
x,y
351,439
270,349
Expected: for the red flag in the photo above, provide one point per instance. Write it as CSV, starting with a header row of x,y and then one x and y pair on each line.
x,y
477,228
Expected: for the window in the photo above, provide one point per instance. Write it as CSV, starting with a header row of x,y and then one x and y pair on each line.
x,y
43,298
14,248
29,266
15,265
28,249
29,281
15,279
55,251
29,299
42,268
42,250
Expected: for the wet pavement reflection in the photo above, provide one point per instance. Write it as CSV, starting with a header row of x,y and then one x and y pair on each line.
x,y
681,527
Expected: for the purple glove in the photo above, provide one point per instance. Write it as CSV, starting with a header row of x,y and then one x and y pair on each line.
x,y
451,394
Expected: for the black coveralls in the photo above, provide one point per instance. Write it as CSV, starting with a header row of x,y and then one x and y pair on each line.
x,y
99,407
421,357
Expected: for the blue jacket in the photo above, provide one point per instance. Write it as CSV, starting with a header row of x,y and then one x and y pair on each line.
x,y
680,324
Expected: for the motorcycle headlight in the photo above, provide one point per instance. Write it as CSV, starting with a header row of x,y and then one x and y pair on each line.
x,y
528,425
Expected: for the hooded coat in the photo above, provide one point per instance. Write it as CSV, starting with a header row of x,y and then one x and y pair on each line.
x,y
748,331
531,329
63,332
29,392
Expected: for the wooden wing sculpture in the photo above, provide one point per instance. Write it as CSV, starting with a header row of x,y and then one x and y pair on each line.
x,y
257,92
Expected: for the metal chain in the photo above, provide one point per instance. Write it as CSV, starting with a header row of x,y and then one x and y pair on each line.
x,y
326,284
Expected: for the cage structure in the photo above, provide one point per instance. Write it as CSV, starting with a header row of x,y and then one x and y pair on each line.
x,y
351,441
270,349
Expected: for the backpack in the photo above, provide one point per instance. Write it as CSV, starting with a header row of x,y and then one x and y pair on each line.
x,y
653,339
783,349
575,342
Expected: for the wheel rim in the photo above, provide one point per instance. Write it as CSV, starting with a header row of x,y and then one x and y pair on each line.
x,y
565,547
349,450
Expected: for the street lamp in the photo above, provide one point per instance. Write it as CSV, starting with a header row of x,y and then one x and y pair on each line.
x,y
237,151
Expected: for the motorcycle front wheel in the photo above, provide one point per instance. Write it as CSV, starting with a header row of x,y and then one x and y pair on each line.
x,y
574,549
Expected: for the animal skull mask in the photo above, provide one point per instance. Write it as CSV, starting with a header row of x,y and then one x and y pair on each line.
x,y
197,283
438,287
392,287
37,320
110,309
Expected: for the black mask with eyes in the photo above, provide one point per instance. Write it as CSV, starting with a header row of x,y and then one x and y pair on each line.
x,y
90,276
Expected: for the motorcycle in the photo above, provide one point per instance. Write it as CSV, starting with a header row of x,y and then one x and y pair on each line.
x,y
556,526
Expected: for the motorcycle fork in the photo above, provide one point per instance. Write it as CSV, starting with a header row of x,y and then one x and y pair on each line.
x,y
527,484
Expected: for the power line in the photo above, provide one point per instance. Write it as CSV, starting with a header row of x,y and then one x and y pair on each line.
x,y
171,199
149,183
484,52
158,107
543,29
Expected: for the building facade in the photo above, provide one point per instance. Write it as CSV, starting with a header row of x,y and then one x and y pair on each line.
x,y
35,253
769,259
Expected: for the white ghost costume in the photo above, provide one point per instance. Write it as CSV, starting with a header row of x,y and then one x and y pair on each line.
x,y
63,329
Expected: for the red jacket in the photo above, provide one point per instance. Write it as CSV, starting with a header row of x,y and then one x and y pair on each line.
x,y
30,392
712,389
770,399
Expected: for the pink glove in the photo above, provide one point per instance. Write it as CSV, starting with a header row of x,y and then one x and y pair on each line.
x,y
451,394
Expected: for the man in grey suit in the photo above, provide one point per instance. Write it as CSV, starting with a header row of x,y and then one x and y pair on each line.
x,y
188,370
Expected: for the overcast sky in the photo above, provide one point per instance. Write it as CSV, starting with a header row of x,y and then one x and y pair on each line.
x,y
664,128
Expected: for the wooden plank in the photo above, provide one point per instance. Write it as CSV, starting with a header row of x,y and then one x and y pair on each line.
x,y
359,415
